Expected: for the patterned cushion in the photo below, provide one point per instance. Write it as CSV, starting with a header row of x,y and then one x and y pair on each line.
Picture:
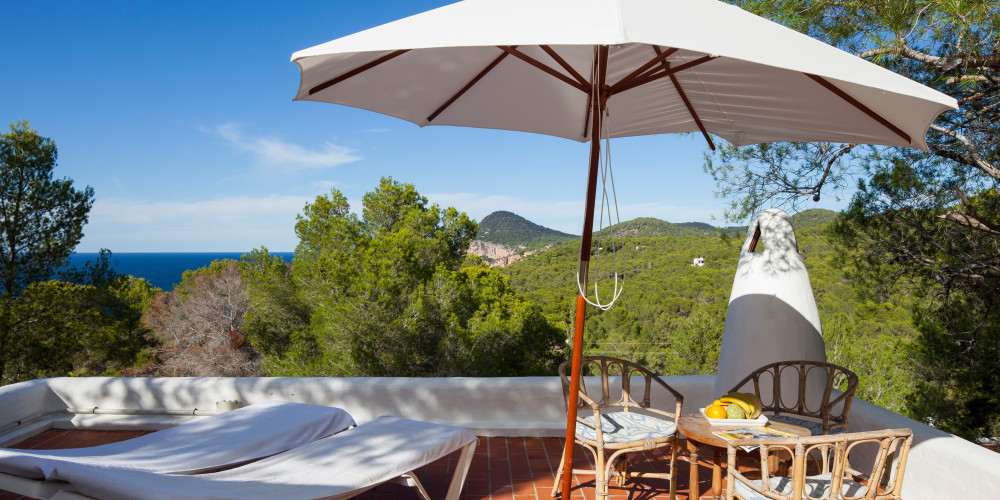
x,y
625,427
814,426
815,487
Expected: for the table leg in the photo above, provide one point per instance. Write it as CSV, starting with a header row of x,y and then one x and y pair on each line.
x,y
716,473
692,448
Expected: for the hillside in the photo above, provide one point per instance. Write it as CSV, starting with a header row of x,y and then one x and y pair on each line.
x,y
647,227
813,217
671,313
505,237
510,229
704,229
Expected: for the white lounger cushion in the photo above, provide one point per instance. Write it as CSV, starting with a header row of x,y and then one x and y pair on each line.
x,y
339,466
230,438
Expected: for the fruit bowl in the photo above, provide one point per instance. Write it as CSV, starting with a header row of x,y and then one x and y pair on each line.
x,y
754,422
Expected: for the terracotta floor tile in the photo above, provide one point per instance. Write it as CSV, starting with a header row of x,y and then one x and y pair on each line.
x,y
502,469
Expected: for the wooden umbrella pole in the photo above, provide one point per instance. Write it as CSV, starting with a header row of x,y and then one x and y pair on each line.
x,y
582,272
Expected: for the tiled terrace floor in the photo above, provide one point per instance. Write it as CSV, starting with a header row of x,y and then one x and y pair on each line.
x,y
502,469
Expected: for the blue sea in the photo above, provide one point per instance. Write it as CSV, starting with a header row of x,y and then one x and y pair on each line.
x,y
163,270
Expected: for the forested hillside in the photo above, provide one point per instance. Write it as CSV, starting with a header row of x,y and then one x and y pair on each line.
x,y
648,226
671,314
508,228
813,217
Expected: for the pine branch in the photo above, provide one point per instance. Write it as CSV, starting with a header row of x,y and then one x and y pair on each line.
x,y
967,220
973,158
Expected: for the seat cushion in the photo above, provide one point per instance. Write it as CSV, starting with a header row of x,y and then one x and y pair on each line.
x,y
815,426
625,427
815,487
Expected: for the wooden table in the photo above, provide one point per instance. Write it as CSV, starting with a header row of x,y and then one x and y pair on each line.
x,y
698,431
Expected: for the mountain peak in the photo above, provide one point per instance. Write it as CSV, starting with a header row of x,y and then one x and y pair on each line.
x,y
508,228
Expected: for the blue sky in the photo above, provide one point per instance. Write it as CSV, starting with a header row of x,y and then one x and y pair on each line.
x,y
179,114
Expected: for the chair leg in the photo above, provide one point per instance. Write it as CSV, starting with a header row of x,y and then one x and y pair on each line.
x,y
673,468
461,471
559,472
602,474
410,479
620,469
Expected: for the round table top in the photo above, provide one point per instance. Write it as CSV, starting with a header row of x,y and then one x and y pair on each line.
x,y
695,426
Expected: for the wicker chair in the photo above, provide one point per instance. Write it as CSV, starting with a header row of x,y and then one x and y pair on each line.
x,y
835,479
628,424
814,398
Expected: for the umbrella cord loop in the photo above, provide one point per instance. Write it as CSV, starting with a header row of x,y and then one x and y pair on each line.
x,y
607,174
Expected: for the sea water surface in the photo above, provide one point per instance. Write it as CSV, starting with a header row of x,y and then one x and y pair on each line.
x,y
163,270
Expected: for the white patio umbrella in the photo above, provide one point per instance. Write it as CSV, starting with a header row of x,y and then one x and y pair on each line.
x,y
656,66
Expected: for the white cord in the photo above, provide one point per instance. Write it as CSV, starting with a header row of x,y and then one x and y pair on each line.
x,y
606,173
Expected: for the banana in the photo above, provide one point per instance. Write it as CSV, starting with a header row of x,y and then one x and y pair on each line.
x,y
750,399
745,406
753,401
757,405
739,395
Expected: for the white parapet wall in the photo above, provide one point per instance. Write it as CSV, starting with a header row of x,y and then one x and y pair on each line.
x,y
511,406
941,466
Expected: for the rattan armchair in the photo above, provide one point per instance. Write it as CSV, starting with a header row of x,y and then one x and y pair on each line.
x,y
834,478
815,398
628,423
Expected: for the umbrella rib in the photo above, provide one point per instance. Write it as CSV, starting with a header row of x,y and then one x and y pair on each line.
x,y
687,102
468,86
360,69
565,65
663,74
861,107
660,57
542,66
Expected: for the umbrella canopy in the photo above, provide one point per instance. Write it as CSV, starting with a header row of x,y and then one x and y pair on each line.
x,y
651,66
673,66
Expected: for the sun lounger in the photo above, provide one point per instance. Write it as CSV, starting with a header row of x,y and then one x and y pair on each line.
x,y
224,440
340,466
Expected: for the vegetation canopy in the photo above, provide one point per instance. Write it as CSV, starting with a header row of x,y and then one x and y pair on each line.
x,y
391,293
926,222
54,319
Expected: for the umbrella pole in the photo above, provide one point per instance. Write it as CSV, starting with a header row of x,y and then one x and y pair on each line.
x,y
582,272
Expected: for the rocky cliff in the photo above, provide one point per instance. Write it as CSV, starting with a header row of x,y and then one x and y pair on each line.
x,y
498,255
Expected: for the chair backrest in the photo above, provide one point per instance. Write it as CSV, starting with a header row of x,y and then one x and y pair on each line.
x,y
607,368
837,454
813,392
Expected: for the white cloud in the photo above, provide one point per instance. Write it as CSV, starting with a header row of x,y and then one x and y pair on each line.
x,y
278,153
238,223
323,186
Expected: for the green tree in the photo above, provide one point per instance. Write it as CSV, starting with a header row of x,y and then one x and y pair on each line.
x,y
390,293
72,329
930,220
41,221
